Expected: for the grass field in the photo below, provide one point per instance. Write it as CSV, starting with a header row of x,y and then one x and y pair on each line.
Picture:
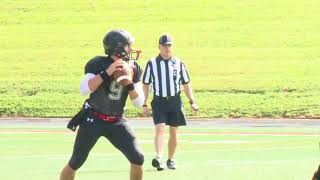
x,y
246,58
36,153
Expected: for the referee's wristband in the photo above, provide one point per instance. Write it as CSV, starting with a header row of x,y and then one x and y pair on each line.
x,y
104,76
191,101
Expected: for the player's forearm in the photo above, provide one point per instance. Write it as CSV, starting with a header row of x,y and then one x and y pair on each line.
x,y
188,91
146,92
95,82
133,94
136,95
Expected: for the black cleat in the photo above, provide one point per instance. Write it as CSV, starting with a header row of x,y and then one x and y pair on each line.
x,y
316,176
171,164
157,164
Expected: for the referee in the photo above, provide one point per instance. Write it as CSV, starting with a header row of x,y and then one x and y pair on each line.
x,y
166,73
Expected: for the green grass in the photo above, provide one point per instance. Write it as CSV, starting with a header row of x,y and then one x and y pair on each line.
x,y
246,58
254,157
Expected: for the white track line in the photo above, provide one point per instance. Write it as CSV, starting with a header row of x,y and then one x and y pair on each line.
x,y
110,155
180,134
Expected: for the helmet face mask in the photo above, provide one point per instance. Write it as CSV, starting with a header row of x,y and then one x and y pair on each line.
x,y
134,54
118,43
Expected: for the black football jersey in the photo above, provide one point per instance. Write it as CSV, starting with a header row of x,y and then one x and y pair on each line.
x,y
110,97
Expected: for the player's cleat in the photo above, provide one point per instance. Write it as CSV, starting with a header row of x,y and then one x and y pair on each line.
x,y
171,164
157,164
316,176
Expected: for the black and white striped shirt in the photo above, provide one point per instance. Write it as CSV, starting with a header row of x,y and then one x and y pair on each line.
x,y
166,76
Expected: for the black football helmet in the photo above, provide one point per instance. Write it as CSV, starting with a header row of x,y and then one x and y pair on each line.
x,y
115,41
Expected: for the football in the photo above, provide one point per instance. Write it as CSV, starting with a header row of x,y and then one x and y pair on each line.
x,y
124,76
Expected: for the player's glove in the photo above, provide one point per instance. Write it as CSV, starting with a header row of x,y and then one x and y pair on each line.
x,y
77,119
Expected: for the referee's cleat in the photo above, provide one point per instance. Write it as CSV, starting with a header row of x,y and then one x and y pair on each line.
x,y
171,164
157,164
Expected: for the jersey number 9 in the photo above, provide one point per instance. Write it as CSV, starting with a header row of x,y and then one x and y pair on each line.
x,y
115,91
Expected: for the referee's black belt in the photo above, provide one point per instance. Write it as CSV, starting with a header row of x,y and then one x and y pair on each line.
x,y
168,98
